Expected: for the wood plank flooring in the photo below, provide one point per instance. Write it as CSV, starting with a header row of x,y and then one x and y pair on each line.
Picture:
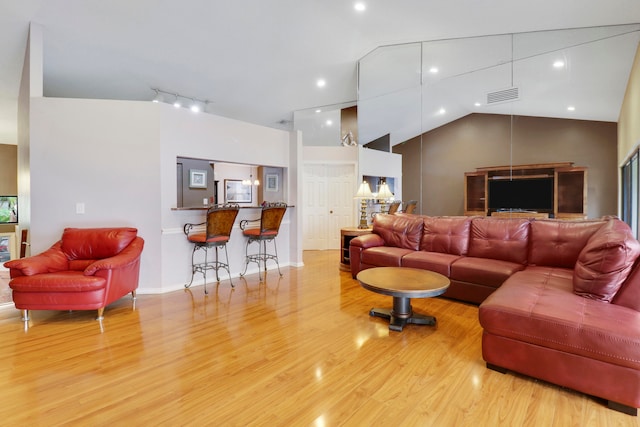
x,y
294,351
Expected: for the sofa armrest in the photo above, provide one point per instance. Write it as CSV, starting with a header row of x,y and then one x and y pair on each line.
x,y
367,241
49,261
128,256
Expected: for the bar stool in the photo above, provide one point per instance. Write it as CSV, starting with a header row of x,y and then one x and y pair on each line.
x,y
217,230
266,230
410,206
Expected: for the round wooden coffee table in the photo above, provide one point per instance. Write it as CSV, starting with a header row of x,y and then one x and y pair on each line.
x,y
402,284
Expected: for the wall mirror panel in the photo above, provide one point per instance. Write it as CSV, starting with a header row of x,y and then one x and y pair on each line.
x,y
500,100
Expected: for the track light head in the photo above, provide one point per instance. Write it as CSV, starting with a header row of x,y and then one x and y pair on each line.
x,y
158,97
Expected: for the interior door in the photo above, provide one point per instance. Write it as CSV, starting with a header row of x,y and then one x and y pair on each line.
x,y
328,204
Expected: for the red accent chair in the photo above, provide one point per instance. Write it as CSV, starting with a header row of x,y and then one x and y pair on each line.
x,y
88,269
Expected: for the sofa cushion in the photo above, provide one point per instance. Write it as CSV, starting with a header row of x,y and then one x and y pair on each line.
x,y
502,239
433,261
384,256
537,306
558,243
605,261
483,271
400,231
449,235
96,243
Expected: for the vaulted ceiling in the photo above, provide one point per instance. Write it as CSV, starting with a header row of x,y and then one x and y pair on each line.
x,y
254,60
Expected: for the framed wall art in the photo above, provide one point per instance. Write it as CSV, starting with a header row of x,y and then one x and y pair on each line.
x,y
197,178
236,192
272,182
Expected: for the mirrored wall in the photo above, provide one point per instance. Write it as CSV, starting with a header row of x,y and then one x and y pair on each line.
x,y
451,106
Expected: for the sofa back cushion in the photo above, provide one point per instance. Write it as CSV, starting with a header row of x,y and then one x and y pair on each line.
x,y
96,243
449,235
559,243
401,231
605,262
503,239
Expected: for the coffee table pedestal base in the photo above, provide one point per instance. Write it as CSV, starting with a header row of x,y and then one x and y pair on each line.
x,y
401,314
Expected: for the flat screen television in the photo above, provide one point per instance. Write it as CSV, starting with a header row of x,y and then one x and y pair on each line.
x,y
8,209
527,194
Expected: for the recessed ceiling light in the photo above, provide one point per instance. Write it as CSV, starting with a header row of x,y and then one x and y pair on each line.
x,y
433,70
442,111
318,111
558,64
571,108
321,83
329,122
360,6
477,104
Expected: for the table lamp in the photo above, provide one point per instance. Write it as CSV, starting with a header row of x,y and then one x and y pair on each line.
x,y
384,193
364,193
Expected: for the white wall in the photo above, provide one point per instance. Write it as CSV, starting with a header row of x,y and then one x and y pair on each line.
x,y
118,158
205,136
380,163
105,155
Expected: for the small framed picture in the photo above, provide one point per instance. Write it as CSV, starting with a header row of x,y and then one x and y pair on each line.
x,y
236,192
197,178
272,182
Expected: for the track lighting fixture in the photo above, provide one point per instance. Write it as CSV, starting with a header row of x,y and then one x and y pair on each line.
x,y
194,104
158,97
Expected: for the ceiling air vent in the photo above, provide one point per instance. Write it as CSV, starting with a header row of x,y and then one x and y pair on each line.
x,y
506,95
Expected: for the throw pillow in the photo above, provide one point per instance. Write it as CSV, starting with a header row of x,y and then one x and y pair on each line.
x,y
605,262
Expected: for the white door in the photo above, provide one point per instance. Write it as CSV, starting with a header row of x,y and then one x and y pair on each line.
x,y
328,204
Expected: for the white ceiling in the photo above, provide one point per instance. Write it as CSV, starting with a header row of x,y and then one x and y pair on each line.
x,y
256,60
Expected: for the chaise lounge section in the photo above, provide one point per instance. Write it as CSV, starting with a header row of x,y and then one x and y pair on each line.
x,y
559,300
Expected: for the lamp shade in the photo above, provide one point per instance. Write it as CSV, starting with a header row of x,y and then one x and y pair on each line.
x,y
364,191
384,192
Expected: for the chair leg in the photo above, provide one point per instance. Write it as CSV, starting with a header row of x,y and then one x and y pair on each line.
x,y
25,318
193,266
226,254
275,251
246,258
100,318
134,298
204,268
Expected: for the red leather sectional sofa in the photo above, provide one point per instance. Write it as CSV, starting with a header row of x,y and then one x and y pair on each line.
x,y
559,300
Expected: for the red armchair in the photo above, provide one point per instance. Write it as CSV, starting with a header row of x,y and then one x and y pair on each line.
x,y
87,269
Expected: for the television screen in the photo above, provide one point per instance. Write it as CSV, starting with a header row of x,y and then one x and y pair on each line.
x,y
531,194
8,209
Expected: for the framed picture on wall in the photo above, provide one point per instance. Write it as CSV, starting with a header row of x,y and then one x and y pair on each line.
x,y
197,178
272,182
236,192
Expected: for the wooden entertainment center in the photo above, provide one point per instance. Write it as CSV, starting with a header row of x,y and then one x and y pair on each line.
x,y
565,184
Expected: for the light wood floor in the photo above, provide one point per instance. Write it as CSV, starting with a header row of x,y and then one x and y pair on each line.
x,y
300,350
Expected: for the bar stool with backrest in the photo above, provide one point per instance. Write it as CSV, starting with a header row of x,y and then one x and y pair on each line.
x,y
410,206
261,231
216,234
393,207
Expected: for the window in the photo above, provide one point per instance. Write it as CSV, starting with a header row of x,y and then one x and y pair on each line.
x,y
630,196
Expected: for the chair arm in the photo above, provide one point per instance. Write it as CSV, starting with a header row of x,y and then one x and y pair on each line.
x,y
128,256
245,222
367,241
187,227
49,261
